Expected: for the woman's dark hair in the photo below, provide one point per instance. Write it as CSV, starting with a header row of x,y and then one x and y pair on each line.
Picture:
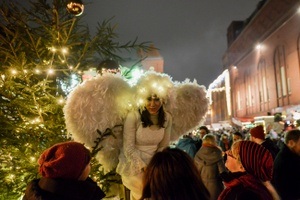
x,y
146,121
238,134
204,128
172,175
292,135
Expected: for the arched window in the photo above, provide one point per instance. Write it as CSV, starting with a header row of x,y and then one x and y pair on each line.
x,y
298,49
262,85
248,93
280,76
237,95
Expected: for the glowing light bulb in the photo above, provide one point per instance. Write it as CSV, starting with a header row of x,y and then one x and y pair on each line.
x,y
50,71
32,159
259,47
60,101
53,49
14,72
64,50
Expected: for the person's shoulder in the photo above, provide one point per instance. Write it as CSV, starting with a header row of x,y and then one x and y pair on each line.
x,y
33,190
134,114
168,115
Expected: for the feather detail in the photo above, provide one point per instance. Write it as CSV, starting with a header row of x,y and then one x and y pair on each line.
x,y
189,108
108,156
97,104
150,83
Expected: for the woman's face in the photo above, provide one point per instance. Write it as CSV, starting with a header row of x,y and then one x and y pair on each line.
x,y
232,163
153,104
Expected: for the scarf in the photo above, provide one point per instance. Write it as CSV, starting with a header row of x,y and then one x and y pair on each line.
x,y
237,183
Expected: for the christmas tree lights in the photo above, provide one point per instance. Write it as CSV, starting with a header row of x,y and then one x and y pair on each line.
x,y
43,53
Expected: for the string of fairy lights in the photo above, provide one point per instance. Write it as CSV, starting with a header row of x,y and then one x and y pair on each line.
x,y
221,84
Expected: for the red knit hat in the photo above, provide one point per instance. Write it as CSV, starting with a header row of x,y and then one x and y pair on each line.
x,y
256,160
64,160
258,132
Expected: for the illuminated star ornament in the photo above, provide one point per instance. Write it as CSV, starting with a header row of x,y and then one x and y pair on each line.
x,y
75,7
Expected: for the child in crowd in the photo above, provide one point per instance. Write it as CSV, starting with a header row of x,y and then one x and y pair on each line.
x,y
64,168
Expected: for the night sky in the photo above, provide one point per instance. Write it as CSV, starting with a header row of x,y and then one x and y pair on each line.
x,y
191,34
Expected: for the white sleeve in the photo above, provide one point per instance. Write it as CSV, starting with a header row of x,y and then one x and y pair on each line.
x,y
166,139
129,137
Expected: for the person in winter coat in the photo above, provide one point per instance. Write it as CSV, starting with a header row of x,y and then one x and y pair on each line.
x,y
210,164
251,167
64,168
188,144
258,136
286,167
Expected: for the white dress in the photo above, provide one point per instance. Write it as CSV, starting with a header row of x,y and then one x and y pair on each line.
x,y
139,145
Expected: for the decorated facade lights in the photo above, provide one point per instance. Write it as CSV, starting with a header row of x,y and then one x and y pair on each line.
x,y
222,83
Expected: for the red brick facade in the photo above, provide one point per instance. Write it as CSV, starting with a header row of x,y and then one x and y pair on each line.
x,y
265,80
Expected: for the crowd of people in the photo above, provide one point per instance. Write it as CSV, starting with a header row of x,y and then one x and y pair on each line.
x,y
251,168
223,165
253,165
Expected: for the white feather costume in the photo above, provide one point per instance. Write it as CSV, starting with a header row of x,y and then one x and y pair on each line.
x,y
189,108
103,103
97,104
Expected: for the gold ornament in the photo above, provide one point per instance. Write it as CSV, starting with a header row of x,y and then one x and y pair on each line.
x,y
75,7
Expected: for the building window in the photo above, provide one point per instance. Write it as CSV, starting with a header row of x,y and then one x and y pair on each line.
x,y
289,86
280,76
283,80
278,89
262,84
298,49
249,95
265,90
238,100
248,89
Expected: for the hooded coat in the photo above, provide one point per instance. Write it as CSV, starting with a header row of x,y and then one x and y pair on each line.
x,y
210,164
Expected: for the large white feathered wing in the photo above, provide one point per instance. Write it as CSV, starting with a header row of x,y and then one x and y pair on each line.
x,y
100,103
188,109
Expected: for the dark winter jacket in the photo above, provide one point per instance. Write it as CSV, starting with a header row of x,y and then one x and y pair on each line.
x,y
286,174
59,189
243,186
271,146
188,145
210,164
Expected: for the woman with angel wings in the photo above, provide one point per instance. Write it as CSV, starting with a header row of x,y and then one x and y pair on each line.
x,y
144,118
146,131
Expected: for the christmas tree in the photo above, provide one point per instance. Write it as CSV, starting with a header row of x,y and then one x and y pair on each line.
x,y
43,51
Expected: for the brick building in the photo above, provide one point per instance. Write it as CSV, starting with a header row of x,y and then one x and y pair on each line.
x,y
262,59
152,59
